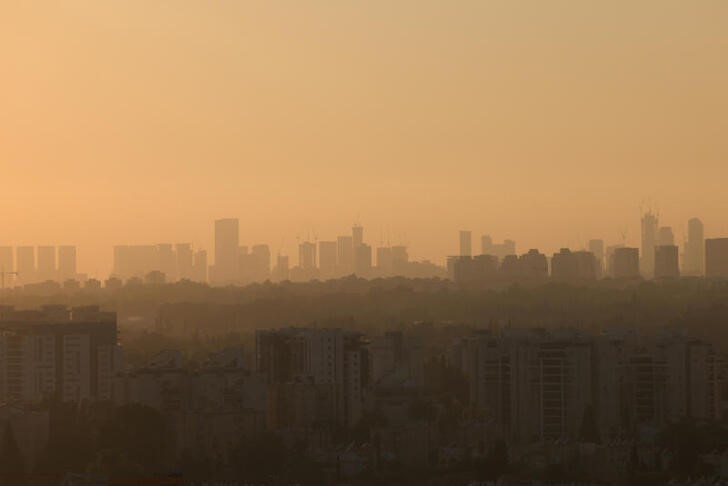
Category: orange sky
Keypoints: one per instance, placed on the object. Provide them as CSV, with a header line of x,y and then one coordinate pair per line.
x,y
141,121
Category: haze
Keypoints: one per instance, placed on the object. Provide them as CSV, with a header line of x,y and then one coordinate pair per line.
x,y
545,122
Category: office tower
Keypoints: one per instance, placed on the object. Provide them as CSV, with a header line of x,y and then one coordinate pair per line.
x,y
466,248
694,256
345,254
362,260
281,270
649,241
67,263
7,262
227,243
357,235
626,263
46,269
167,262
25,261
199,267
384,260
260,263
716,258
665,236
327,258
533,265
185,261
477,271
568,266
666,261
54,353
400,260
597,248
135,260
307,255
486,245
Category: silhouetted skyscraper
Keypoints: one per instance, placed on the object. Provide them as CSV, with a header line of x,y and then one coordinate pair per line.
x,y
345,254
281,272
597,249
716,258
26,264
67,262
7,262
357,235
199,267
666,262
185,261
466,243
307,255
649,241
363,260
694,256
327,258
167,262
47,263
665,236
626,263
227,243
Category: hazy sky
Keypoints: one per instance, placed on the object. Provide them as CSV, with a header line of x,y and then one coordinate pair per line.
x,y
549,122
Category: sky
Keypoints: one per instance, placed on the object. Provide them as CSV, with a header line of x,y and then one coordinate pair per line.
x,y
139,122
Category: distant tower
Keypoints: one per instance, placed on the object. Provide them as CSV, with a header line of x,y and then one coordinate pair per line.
x,y
466,243
649,241
597,248
665,237
227,248
357,235
694,253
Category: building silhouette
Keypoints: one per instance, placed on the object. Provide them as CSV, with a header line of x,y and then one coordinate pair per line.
x,y
67,263
327,258
597,248
626,263
345,255
227,243
649,241
694,252
25,259
716,258
666,262
466,243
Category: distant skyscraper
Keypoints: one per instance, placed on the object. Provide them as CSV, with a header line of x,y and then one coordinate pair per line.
x,y
26,264
486,245
694,256
345,254
384,260
185,261
47,263
597,248
67,263
357,235
666,261
227,243
7,262
363,260
649,241
626,263
400,260
281,270
716,258
327,258
665,236
199,267
167,262
466,243
307,255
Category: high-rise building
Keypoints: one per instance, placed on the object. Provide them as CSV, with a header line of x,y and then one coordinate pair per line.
x,y
665,236
357,235
281,271
7,262
626,263
25,260
466,243
649,241
260,263
167,261
597,249
307,255
67,263
384,260
363,260
185,261
327,258
46,269
694,254
716,258
227,243
568,266
54,353
199,267
666,261
345,254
